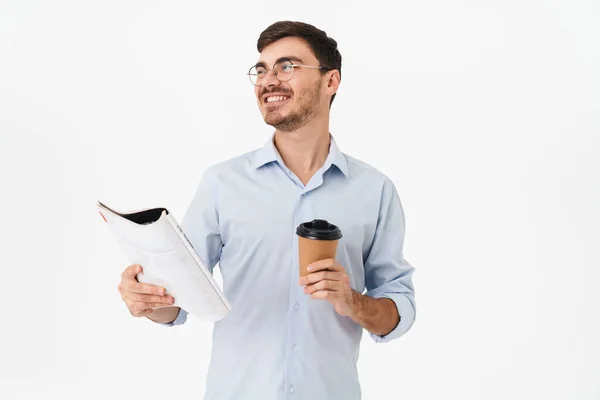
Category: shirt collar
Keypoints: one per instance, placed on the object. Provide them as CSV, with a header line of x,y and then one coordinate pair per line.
x,y
268,153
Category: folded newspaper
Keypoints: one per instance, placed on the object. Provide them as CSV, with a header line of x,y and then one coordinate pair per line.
x,y
153,239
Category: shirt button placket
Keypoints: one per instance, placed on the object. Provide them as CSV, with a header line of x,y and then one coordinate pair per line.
x,y
295,299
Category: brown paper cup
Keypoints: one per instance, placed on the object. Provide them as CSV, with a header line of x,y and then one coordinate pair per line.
x,y
317,240
311,250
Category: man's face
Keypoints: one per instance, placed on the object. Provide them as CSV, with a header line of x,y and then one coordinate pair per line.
x,y
301,96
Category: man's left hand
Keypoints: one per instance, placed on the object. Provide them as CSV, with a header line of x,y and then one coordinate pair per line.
x,y
327,280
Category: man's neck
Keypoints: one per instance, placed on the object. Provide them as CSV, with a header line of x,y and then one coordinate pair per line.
x,y
304,150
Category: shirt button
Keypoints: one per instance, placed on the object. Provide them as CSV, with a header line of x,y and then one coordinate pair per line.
x,y
295,348
297,306
291,389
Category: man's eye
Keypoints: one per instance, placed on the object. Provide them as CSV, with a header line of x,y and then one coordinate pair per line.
x,y
260,72
287,68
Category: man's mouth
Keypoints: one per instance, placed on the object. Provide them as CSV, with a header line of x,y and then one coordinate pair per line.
x,y
276,99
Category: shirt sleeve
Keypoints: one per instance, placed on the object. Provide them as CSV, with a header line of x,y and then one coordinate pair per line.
x,y
200,225
179,320
387,273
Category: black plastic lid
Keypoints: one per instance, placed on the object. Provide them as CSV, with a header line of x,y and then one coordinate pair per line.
x,y
319,229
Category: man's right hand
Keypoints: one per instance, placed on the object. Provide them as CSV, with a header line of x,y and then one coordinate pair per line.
x,y
141,298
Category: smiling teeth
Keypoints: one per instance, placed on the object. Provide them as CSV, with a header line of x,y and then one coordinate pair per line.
x,y
275,98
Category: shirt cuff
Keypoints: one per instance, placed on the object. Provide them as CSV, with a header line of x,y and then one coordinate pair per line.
x,y
179,320
407,316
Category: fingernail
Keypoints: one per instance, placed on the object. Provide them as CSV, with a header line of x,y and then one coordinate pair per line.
x,y
161,291
309,268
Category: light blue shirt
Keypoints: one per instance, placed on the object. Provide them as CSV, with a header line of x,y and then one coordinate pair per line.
x,y
278,343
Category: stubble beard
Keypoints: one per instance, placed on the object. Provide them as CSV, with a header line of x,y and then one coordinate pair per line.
x,y
309,102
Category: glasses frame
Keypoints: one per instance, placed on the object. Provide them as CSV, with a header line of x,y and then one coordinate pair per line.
x,y
294,66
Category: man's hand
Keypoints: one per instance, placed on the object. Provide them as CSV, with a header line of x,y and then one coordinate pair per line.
x,y
141,298
327,280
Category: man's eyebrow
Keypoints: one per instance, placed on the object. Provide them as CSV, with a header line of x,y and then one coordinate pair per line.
x,y
289,58
285,58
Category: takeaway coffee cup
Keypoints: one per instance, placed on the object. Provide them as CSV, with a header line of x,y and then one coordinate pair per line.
x,y
317,240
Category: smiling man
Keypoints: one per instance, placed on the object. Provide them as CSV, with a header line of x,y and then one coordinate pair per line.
x,y
288,337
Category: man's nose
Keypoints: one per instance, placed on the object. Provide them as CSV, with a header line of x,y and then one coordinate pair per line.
x,y
270,79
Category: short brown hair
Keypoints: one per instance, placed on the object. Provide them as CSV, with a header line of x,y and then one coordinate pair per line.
x,y
323,47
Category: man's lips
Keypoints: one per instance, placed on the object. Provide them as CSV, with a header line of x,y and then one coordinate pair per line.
x,y
272,98
275,103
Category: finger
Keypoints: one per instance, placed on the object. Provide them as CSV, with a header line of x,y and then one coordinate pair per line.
x,y
322,285
131,271
314,277
326,264
158,305
324,295
145,288
148,298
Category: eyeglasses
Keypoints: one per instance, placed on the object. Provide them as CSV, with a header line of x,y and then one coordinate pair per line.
x,y
282,70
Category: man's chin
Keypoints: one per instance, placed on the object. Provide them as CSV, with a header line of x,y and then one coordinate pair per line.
x,y
285,123
273,118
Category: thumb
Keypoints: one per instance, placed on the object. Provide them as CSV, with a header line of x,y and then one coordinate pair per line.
x,y
133,270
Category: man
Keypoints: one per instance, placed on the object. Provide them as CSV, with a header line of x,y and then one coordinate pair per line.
x,y
286,337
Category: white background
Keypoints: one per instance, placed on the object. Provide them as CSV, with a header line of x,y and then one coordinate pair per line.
x,y
485,115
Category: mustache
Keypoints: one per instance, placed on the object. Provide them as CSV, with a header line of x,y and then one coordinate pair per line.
x,y
284,91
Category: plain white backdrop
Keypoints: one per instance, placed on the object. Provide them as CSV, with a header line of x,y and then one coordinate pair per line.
x,y
485,114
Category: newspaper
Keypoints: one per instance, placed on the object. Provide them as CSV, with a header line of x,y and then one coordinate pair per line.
x,y
153,239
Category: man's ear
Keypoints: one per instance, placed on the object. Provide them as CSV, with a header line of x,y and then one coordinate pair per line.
x,y
333,82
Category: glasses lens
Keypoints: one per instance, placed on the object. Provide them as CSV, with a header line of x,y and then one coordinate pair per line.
x,y
284,70
256,74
